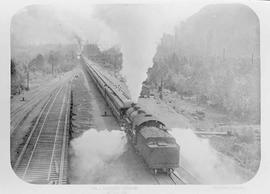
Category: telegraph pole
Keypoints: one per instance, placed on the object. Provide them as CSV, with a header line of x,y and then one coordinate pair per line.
x,y
27,77
52,69
160,89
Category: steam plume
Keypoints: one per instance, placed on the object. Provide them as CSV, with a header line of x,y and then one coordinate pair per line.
x,y
93,151
198,157
139,29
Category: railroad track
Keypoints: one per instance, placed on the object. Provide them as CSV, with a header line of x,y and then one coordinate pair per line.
x,y
177,179
169,179
34,96
16,120
43,157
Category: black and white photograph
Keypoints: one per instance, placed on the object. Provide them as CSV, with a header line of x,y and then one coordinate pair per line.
x,y
135,94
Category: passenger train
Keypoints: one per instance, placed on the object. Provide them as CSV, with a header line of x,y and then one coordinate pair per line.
x,y
148,134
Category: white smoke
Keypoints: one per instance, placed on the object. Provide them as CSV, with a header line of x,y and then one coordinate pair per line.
x,y
54,24
201,160
139,29
92,152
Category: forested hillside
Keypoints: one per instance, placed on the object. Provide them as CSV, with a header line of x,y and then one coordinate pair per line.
x,y
213,56
110,58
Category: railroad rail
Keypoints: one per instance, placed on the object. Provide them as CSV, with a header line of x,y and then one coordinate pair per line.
x,y
169,179
177,179
43,157
34,96
17,121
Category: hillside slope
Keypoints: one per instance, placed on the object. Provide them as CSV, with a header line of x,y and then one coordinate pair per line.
x,y
213,56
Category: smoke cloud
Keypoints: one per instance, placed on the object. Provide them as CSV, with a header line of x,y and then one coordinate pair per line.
x,y
201,160
92,152
52,24
139,29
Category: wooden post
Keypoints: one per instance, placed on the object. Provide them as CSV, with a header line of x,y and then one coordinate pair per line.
x,y
27,87
26,69
52,68
160,89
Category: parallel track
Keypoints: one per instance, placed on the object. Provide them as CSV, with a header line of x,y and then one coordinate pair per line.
x,y
43,158
172,179
32,102
17,122
36,93
177,179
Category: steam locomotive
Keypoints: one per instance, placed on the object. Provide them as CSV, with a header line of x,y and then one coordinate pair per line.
x,y
148,135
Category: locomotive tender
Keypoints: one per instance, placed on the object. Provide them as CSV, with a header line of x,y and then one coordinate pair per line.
x,y
148,135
